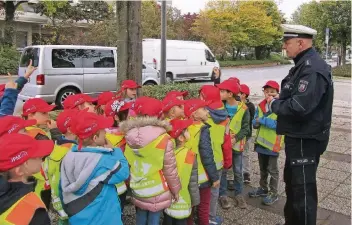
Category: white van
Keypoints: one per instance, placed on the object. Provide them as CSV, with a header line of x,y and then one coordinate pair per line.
x,y
64,70
186,60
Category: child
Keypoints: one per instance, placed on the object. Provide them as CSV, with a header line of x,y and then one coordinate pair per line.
x,y
217,121
14,124
89,173
150,153
179,212
177,94
244,93
267,145
200,142
80,102
37,109
239,129
172,108
20,157
102,99
10,91
128,90
118,109
53,161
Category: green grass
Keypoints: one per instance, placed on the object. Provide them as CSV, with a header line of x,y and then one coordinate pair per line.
x,y
252,62
342,71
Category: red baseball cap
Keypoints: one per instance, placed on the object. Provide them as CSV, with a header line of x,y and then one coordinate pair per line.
x,y
192,105
73,101
115,106
105,97
64,119
229,85
12,124
86,124
211,94
178,126
235,79
129,84
34,105
170,102
2,89
245,89
16,149
147,106
272,84
176,94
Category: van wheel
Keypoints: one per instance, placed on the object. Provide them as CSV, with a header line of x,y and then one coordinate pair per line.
x,y
149,83
169,78
63,95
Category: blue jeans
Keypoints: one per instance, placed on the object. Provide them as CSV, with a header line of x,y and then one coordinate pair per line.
x,y
145,217
237,166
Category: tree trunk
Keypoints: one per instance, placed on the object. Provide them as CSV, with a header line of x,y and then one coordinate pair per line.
x,y
129,43
233,53
343,53
238,52
259,52
10,8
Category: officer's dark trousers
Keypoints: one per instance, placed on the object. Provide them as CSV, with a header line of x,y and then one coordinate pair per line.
x,y
302,159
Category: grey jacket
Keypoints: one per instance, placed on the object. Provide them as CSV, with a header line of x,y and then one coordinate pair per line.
x,y
193,187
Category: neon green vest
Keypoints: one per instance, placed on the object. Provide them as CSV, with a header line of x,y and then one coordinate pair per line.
x,y
52,166
267,137
147,178
183,208
117,140
217,133
236,125
193,144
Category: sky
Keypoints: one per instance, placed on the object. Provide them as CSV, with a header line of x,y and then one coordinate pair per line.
x,y
286,6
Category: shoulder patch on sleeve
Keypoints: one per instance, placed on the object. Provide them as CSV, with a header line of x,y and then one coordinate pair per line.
x,y
308,62
302,85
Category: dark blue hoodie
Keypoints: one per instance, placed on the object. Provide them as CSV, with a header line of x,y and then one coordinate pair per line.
x,y
218,115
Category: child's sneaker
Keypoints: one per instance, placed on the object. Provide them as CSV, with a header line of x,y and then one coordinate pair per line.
x,y
241,202
246,178
218,221
258,192
270,199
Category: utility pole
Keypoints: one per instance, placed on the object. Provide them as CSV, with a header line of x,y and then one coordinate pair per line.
x,y
163,43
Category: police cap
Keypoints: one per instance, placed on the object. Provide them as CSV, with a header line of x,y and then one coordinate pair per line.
x,y
297,31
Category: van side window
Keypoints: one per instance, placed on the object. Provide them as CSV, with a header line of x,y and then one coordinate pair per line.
x,y
67,58
30,53
98,59
209,57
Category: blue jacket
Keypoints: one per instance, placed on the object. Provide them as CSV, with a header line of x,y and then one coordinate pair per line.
x,y
87,185
207,156
8,100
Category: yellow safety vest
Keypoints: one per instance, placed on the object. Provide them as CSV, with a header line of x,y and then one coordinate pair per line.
x,y
147,178
41,177
182,209
22,212
236,125
217,134
117,139
53,163
267,137
193,144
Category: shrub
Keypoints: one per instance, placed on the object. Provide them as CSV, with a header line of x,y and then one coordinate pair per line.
x,y
342,71
159,91
9,58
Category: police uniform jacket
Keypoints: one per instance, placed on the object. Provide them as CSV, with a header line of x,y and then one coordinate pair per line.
x,y
304,108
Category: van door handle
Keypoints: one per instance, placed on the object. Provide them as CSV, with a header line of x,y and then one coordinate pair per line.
x,y
201,63
112,70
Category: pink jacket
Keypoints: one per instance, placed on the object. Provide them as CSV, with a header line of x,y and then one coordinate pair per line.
x,y
139,132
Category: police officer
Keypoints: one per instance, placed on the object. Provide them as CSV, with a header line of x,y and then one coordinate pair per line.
x,y
304,110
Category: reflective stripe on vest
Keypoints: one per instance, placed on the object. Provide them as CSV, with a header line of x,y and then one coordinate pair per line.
x,y
193,144
147,178
22,212
236,125
183,207
33,131
121,188
217,133
117,139
52,163
267,137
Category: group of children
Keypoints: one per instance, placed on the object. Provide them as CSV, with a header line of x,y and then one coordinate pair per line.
x,y
172,156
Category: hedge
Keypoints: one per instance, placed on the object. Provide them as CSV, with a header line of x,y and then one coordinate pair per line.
x,y
342,71
9,58
159,91
252,62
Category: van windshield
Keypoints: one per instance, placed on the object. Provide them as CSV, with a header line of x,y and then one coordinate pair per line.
x,y
30,53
